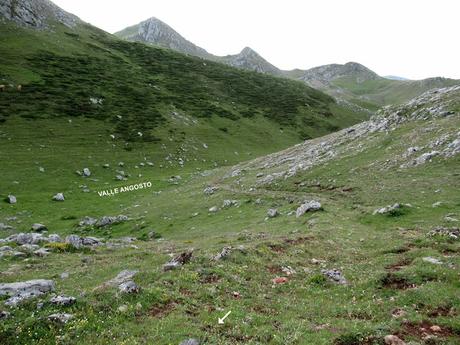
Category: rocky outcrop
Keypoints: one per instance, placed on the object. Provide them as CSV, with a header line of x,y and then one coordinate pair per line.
x,y
39,14
431,106
22,291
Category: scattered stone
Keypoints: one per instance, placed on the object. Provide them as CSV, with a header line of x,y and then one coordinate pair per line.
x,y
110,220
388,209
260,175
22,291
37,227
129,287
437,204
4,315
453,233
28,247
54,238
64,275
91,241
226,251
87,221
123,308
213,209
178,261
229,203
210,190
59,197
74,240
122,277
432,260
27,238
393,340
435,328
5,227
63,300
11,199
42,252
106,166
311,205
450,219
425,157
60,317
86,172
272,213
5,249
288,270
41,169
190,341
335,276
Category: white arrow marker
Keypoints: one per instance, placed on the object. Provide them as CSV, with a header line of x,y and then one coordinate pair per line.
x,y
221,321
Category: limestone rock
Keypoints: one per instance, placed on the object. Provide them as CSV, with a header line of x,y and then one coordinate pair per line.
x,y
59,197
60,317
312,205
11,199
335,276
63,300
37,227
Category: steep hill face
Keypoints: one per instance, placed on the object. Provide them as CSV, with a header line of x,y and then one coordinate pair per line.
x,y
39,14
154,31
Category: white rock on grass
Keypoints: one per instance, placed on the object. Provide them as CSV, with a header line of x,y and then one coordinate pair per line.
x,y
432,260
11,199
59,197
63,300
190,341
37,227
307,206
272,213
213,209
335,276
60,317
128,287
86,172
21,291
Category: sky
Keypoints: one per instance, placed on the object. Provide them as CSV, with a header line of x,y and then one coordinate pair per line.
x,y
415,39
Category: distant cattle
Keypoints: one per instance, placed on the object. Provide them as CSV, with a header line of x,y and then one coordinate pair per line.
x,y
2,88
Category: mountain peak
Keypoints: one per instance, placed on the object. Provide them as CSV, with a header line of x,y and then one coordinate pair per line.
x,y
156,32
37,14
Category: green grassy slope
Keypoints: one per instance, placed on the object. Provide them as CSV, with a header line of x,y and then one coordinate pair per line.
x,y
380,255
380,92
61,71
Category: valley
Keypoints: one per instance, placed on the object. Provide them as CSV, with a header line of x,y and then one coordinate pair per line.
x,y
148,193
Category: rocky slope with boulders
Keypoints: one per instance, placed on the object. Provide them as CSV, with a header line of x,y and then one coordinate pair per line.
x,y
424,110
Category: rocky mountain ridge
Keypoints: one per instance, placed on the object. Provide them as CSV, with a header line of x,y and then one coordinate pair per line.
x,y
38,14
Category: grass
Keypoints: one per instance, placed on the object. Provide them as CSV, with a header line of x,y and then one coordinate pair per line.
x,y
380,256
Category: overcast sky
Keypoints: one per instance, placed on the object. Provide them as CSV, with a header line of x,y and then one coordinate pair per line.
x,y
409,38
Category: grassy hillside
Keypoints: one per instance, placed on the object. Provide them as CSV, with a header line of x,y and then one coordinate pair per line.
x,y
391,288
381,91
90,74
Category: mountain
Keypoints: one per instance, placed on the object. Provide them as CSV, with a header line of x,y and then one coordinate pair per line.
x,y
38,14
155,32
357,84
250,60
142,95
351,83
